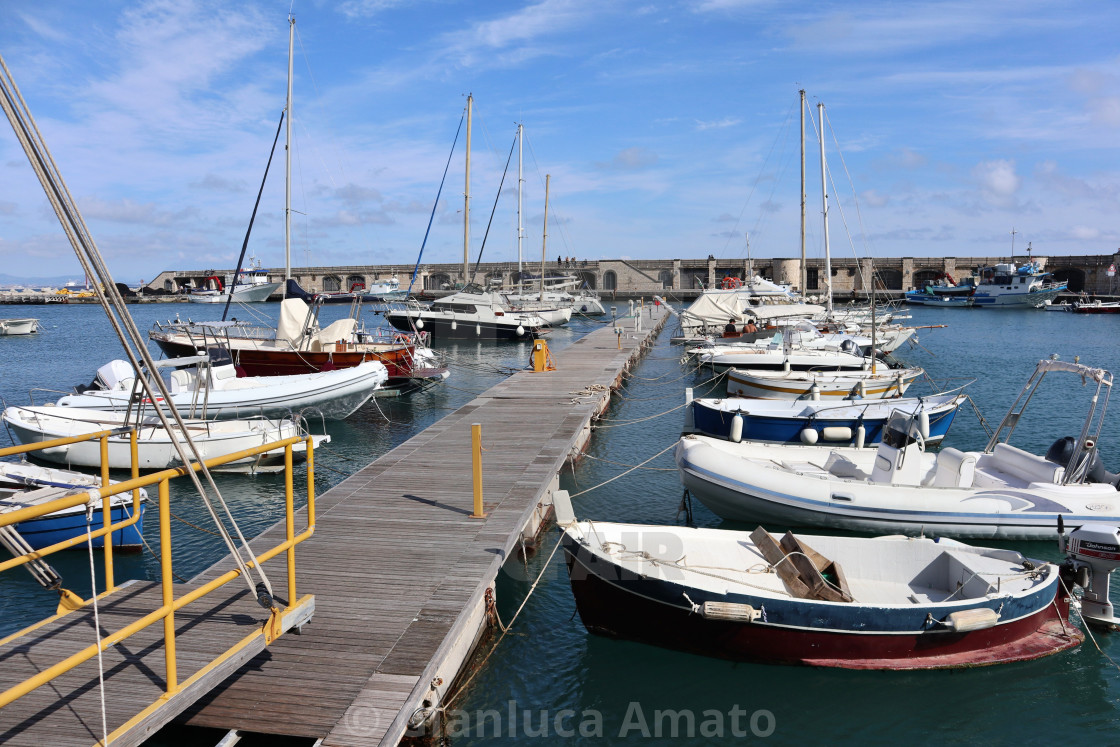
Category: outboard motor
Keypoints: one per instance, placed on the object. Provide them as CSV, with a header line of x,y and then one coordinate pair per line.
x,y
850,346
1092,554
1061,451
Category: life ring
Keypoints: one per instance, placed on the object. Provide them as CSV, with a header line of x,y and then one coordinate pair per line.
x,y
731,282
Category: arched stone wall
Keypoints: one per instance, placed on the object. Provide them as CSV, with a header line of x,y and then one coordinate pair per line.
x,y
610,280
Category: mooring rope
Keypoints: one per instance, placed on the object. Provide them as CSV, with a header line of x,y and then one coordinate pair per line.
x,y
97,619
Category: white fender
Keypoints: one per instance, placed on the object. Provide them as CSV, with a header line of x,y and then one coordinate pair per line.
x,y
737,428
520,330
419,324
923,423
836,433
809,436
861,437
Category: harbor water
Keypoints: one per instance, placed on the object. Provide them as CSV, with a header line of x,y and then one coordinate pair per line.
x,y
548,679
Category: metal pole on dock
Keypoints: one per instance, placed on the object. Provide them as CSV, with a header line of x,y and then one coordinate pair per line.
x,y
476,463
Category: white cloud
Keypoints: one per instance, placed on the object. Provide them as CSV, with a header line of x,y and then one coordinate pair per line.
x,y
718,124
997,180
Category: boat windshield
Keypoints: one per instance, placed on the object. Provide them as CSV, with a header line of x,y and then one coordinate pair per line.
x,y
898,432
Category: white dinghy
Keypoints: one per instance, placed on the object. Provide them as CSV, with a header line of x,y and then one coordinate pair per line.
x,y
1002,492
155,445
207,386
831,385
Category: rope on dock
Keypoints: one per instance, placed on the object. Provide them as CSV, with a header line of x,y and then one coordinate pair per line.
x,y
619,424
97,618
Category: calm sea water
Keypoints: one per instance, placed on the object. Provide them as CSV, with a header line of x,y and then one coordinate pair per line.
x,y
548,677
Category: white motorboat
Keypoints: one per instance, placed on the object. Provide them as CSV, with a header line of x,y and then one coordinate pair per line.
x,y
207,386
252,286
870,383
18,326
470,314
1002,492
155,447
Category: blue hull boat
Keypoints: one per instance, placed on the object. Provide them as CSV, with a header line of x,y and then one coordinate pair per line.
x,y
23,484
796,422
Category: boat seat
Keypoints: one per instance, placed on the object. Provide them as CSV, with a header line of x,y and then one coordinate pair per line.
x,y
841,466
181,381
955,469
1022,465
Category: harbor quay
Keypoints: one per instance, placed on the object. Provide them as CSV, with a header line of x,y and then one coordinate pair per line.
x,y
680,278
676,279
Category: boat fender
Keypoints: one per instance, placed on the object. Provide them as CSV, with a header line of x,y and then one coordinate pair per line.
x,y
689,415
963,621
730,611
836,433
454,324
478,330
419,324
861,437
785,365
923,423
520,330
815,392
737,428
809,436
861,390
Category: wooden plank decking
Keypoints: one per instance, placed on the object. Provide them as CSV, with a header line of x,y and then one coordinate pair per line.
x,y
67,710
399,569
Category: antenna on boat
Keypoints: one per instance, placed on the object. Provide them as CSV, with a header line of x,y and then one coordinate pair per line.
x,y
1013,232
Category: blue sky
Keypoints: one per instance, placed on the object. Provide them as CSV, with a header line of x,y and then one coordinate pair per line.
x,y
670,129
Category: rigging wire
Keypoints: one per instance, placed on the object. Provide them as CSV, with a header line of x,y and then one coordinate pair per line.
x,y
428,230
477,262
73,225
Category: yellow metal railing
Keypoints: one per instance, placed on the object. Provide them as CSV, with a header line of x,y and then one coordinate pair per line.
x,y
271,629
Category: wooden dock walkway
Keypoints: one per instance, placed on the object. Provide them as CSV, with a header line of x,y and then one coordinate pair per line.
x,y
399,570
67,711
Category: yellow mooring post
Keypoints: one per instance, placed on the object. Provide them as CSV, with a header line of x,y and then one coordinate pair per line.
x,y
542,360
476,462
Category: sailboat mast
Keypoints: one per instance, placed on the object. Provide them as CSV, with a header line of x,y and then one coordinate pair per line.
x,y
467,201
804,269
520,181
544,238
288,161
824,201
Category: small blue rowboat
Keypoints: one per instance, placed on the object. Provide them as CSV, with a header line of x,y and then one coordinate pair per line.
x,y
810,422
23,484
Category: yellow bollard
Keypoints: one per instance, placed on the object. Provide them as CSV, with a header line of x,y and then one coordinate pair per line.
x,y
476,462
542,359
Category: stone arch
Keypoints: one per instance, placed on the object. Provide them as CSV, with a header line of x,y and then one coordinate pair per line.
x,y
1073,277
610,280
889,279
437,281
494,279
925,277
666,277
586,279
332,283
355,282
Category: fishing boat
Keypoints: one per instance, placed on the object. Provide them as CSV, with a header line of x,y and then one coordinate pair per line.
x,y
879,382
1005,285
1003,492
847,602
252,286
853,423
1096,307
156,450
18,326
297,345
926,298
207,386
23,484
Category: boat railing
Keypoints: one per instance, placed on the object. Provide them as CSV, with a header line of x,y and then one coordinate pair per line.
x,y
294,611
